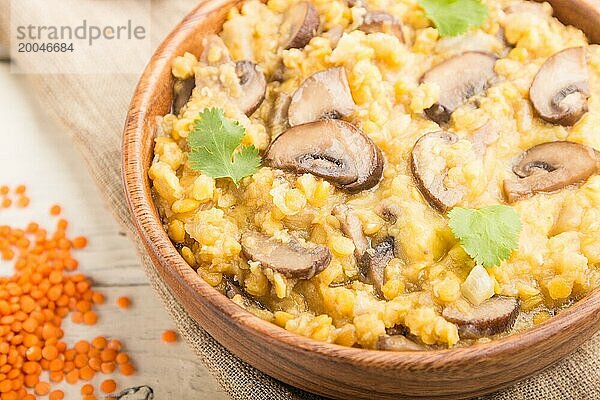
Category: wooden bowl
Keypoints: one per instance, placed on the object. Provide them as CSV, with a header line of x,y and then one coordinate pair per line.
x,y
322,368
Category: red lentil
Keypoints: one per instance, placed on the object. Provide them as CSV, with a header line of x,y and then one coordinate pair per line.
x,y
169,336
123,302
33,303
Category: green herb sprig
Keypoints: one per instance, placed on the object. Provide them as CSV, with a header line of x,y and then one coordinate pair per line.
x,y
215,147
455,17
489,235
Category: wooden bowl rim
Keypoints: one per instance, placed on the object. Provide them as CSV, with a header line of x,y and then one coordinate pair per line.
x,y
166,253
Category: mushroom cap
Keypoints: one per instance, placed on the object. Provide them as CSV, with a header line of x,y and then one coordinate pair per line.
x,y
277,122
561,89
491,317
430,172
397,343
323,95
352,228
182,91
373,262
215,51
459,78
331,149
551,166
384,22
292,259
300,24
254,85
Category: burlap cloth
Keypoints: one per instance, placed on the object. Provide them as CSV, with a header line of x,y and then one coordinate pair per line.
x,y
92,110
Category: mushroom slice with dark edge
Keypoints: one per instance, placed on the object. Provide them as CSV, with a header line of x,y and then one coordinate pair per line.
x,y
388,211
334,35
292,259
561,89
323,95
381,21
277,122
300,24
331,149
254,86
232,289
352,228
182,91
373,262
397,343
534,9
428,172
459,78
549,167
215,51
491,317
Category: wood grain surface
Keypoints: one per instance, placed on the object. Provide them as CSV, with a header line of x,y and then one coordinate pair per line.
x,y
323,368
57,176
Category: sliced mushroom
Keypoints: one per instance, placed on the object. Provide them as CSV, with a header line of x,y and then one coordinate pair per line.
x,y
334,35
484,136
215,51
324,95
388,210
232,289
397,343
398,330
530,8
561,89
331,149
373,262
493,316
182,91
300,25
292,259
430,171
278,118
251,79
472,41
459,78
352,228
384,22
549,167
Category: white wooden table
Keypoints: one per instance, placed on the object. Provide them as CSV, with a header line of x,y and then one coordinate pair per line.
x,y
33,151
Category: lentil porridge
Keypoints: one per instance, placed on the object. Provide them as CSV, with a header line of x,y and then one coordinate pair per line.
x,y
376,134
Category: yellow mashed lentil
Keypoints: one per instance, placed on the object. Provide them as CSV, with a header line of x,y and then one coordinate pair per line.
x,y
558,258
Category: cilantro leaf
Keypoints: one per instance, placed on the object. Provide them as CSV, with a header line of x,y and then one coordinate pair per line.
x,y
455,17
213,143
489,235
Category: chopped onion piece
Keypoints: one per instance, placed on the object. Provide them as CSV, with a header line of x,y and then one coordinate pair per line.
x,y
479,286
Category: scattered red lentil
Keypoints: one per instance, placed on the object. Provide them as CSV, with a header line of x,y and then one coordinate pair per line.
x,y
169,336
33,303
108,386
123,302
56,395
23,201
79,242
87,389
